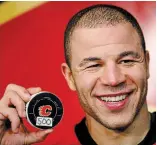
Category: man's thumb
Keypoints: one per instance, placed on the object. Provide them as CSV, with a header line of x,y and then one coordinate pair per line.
x,y
35,137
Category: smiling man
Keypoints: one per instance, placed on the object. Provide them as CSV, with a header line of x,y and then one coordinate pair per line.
x,y
108,65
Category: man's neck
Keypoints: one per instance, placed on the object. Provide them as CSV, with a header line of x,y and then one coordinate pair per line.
x,y
133,135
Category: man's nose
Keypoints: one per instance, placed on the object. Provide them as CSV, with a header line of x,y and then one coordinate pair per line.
x,y
112,75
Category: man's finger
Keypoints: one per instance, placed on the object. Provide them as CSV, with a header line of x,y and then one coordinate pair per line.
x,y
35,137
12,115
34,90
12,98
21,91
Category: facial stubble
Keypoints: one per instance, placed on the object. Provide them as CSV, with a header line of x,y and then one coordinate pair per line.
x,y
89,109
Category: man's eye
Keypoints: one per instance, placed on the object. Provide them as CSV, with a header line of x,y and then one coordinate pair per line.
x,y
93,66
127,62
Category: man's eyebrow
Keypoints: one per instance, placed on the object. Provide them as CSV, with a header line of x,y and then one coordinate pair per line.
x,y
123,54
89,59
129,53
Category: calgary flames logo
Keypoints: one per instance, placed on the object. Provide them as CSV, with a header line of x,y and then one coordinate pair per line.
x,y
45,110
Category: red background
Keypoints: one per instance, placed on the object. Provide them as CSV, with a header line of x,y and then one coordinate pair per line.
x,y
31,53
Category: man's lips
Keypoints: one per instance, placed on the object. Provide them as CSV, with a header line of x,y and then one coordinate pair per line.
x,y
114,101
114,95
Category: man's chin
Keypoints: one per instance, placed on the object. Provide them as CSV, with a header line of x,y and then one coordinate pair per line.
x,y
118,126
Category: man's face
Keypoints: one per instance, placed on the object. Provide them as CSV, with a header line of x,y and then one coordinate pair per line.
x,y
109,72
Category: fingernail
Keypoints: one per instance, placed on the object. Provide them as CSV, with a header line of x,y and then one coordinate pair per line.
x,y
38,88
48,131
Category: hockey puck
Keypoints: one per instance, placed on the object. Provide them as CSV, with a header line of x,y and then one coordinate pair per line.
x,y
44,110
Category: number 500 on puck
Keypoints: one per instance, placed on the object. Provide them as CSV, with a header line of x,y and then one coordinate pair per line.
x,y
44,110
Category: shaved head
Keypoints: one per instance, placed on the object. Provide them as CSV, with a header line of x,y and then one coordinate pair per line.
x,y
98,16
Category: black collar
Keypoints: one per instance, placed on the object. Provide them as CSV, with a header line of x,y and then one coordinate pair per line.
x,y
85,138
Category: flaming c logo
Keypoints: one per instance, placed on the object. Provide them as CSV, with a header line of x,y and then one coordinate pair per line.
x,y
45,110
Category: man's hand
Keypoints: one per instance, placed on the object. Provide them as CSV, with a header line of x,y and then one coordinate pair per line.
x,y
12,108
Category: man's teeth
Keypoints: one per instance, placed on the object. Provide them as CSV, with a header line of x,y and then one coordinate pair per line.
x,y
114,99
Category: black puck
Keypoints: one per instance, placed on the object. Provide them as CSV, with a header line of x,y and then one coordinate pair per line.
x,y
44,110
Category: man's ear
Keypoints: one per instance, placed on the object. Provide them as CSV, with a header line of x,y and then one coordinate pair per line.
x,y
66,71
147,63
